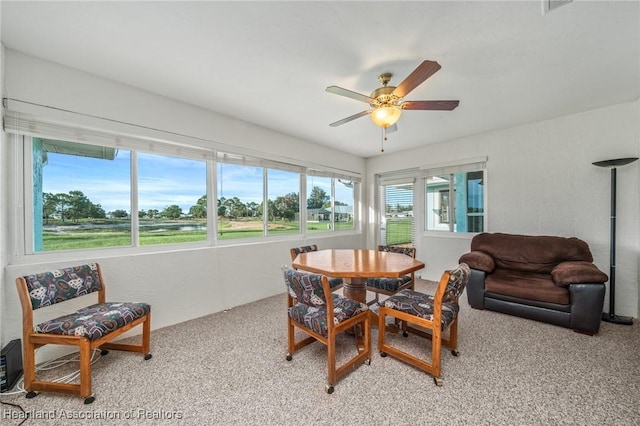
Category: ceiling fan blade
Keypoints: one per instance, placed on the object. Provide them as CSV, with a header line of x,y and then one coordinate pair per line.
x,y
425,70
430,105
349,94
350,118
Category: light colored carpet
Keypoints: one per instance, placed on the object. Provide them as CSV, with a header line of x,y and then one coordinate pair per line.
x,y
229,368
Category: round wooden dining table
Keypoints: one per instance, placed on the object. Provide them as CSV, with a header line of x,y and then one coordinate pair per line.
x,y
354,266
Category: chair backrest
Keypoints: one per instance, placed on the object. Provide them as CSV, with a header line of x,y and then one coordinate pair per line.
x,y
409,251
305,287
458,279
58,285
304,249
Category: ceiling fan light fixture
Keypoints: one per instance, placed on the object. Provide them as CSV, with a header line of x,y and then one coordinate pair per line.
x,y
386,116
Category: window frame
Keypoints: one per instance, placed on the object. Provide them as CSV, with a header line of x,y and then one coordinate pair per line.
x,y
23,247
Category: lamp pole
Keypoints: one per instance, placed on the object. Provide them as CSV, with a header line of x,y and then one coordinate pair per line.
x,y
611,315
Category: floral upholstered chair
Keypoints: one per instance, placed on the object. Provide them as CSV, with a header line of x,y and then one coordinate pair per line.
x,y
322,315
88,328
335,283
390,286
437,314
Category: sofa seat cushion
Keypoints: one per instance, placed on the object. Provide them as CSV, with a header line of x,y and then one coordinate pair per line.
x,y
526,285
95,321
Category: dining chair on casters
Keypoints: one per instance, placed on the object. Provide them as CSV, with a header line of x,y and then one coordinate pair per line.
x,y
335,283
436,314
390,286
322,315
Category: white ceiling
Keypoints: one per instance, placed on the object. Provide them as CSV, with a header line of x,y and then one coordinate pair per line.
x,y
269,63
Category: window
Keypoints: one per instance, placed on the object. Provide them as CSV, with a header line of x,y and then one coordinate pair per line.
x,y
398,221
455,199
81,196
240,201
330,204
91,189
172,199
283,192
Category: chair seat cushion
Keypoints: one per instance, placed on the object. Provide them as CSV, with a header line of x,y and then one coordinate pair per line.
x,y
315,317
388,284
421,305
95,321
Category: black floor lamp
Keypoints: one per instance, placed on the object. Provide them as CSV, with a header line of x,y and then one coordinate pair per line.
x,y
611,315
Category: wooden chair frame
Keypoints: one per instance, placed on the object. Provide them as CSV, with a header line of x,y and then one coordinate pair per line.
x,y
379,291
334,372
32,341
434,333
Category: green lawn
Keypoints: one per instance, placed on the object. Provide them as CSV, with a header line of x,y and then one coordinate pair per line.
x,y
120,236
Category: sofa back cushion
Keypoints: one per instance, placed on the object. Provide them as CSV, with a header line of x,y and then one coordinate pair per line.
x,y
531,253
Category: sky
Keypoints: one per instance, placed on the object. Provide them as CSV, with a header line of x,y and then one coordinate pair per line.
x,y
165,180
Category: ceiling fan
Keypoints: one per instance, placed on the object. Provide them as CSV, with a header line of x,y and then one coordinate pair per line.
x,y
386,101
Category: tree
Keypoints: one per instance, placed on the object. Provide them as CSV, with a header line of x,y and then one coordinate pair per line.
x,y
79,205
172,212
49,205
222,209
286,206
317,198
120,214
96,211
200,209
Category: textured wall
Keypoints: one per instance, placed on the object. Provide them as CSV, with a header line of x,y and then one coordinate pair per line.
x,y
541,181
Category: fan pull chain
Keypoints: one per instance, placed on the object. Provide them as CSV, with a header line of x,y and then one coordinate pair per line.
x,y
384,138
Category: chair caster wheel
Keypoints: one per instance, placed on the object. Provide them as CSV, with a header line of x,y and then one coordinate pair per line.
x,y
454,352
383,354
289,357
31,394
438,381
329,389
103,352
89,399
405,334
367,361
147,357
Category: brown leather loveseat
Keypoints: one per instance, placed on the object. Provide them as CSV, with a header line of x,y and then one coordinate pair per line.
x,y
544,278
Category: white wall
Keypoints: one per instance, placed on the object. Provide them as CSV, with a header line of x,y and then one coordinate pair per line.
x,y
180,285
541,180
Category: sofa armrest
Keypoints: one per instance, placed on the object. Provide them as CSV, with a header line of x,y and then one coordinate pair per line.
x,y
576,272
475,289
478,260
586,307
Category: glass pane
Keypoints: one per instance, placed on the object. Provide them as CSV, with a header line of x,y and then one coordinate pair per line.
x,y
284,202
318,204
438,215
240,199
170,199
467,202
81,196
475,202
398,222
344,202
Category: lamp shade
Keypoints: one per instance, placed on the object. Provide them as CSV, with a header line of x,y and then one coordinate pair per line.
x,y
386,116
